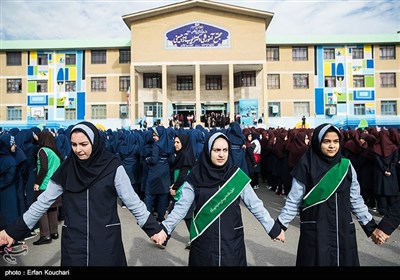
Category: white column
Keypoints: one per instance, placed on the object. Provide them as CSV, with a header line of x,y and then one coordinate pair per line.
x,y
165,116
132,98
197,85
265,93
231,94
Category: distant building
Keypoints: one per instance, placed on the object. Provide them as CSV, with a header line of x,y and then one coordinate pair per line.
x,y
199,57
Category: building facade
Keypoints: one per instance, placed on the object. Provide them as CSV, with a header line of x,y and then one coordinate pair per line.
x,y
198,57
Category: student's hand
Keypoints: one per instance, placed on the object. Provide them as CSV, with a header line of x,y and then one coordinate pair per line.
x,y
5,239
160,237
379,237
36,187
172,192
281,236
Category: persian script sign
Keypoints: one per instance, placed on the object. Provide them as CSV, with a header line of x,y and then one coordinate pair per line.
x,y
197,35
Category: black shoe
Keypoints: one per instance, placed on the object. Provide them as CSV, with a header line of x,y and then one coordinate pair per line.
x,y
54,236
43,240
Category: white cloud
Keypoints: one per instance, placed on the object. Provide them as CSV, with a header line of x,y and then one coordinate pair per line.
x,y
87,19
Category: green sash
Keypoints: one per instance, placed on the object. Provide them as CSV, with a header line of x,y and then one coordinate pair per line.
x,y
217,204
178,192
327,185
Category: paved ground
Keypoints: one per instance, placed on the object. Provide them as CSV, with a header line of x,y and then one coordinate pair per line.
x,y
261,251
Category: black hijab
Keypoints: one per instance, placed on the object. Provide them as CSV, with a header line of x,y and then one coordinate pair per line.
x,y
207,175
46,139
77,175
313,165
185,156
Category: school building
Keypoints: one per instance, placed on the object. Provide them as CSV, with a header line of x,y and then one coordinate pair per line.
x,y
197,57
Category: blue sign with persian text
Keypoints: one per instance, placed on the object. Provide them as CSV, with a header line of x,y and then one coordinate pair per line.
x,y
197,35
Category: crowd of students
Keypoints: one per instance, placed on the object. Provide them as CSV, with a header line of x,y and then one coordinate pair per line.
x,y
146,170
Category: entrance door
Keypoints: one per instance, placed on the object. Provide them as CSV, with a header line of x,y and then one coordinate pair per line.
x,y
185,113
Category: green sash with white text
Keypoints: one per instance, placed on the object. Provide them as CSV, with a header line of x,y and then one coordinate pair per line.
x,y
217,204
323,190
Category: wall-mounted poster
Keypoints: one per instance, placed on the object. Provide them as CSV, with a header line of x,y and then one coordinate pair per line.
x,y
248,109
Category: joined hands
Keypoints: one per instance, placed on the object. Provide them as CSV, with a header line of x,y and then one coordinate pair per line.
x,y
379,237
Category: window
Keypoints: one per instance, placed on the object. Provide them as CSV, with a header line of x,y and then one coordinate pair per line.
x,y
152,80
388,80
14,113
213,82
249,79
272,53
14,58
14,85
123,111
70,86
330,81
42,59
98,84
184,82
358,81
389,107
329,53
41,86
124,56
274,109
153,108
330,109
301,109
273,81
300,80
70,59
99,111
387,52
70,114
299,54
359,109
124,83
357,53
99,57
245,79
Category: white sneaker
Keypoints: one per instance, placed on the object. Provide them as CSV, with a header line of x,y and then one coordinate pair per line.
x,y
30,235
256,187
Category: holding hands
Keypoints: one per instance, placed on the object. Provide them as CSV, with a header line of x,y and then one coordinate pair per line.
x,y
281,236
159,238
379,237
5,239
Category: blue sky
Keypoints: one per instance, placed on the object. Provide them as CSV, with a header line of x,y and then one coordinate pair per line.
x,y
88,19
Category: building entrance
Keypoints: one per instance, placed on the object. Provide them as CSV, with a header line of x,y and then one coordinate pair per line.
x,y
184,114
